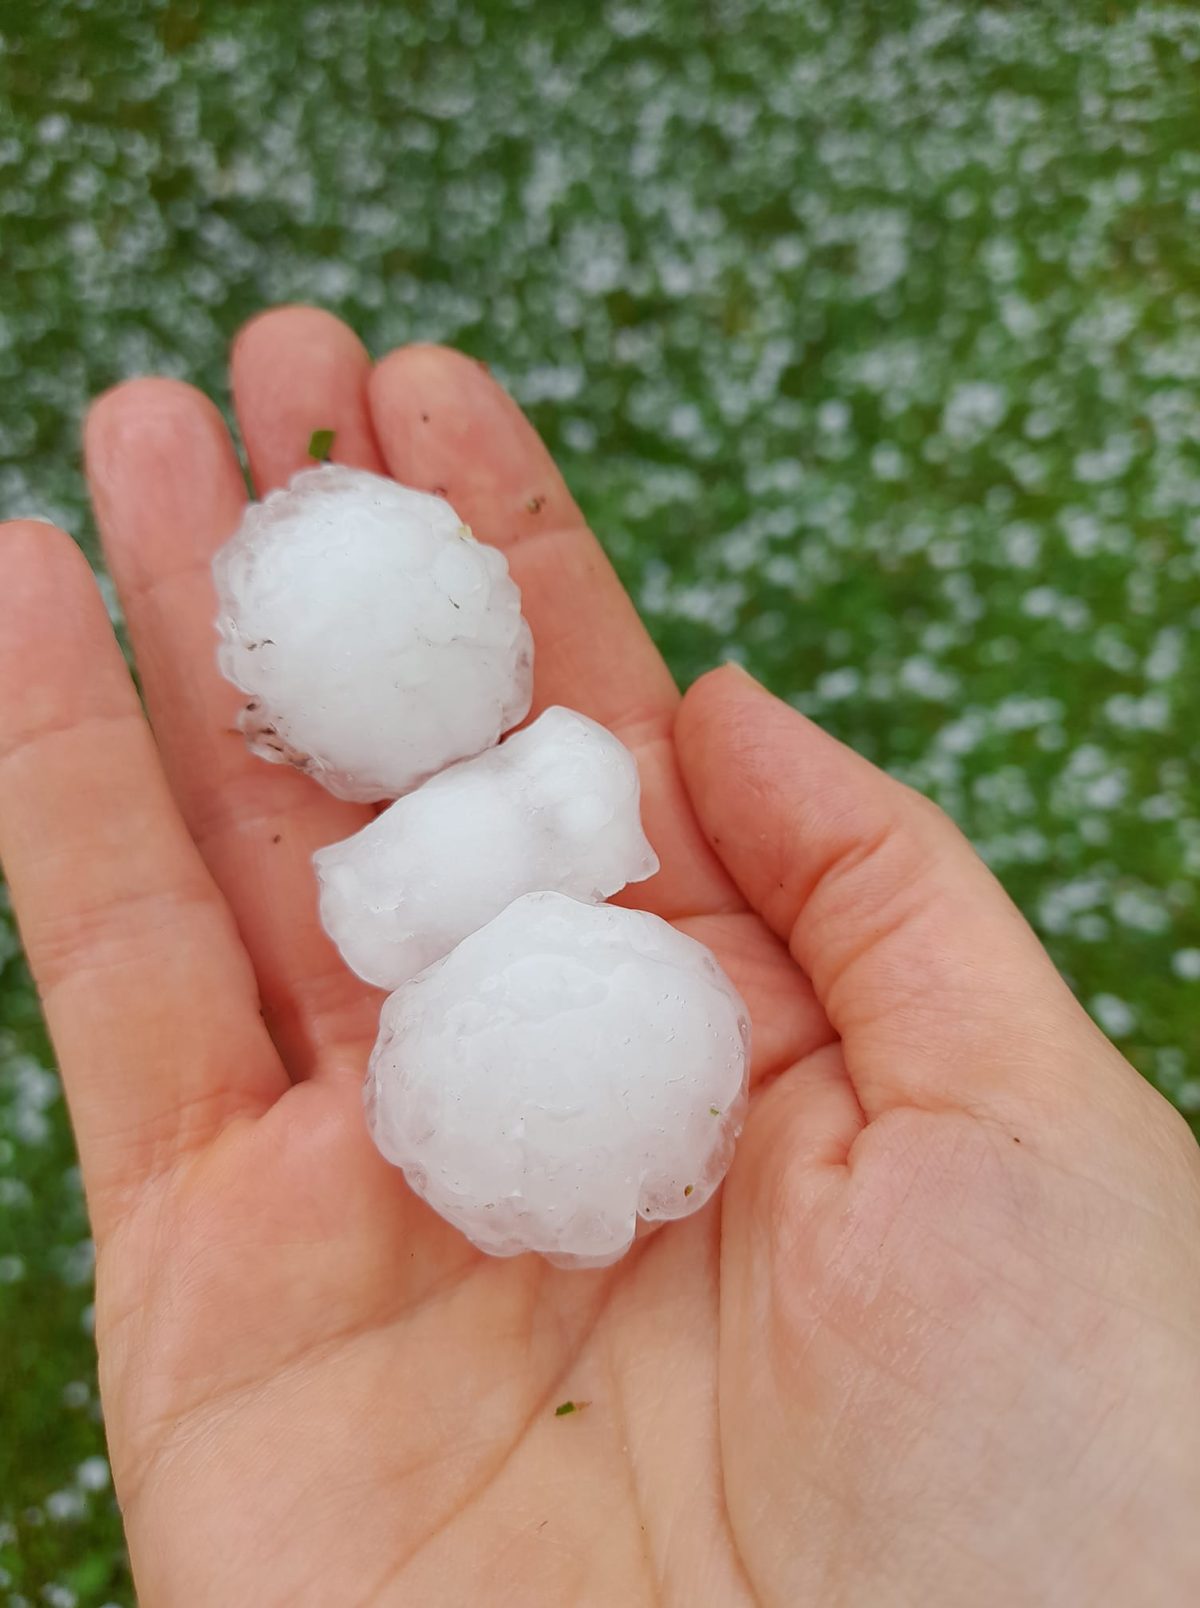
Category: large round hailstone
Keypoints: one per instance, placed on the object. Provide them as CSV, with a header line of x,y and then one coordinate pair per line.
x,y
377,639
555,806
567,1069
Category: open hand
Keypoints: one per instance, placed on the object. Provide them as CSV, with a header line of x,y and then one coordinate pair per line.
x,y
937,1342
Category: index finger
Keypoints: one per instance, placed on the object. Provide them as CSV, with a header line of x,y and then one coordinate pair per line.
x,y
445,426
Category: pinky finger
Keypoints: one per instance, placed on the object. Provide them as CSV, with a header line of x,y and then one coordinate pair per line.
x,y
149,996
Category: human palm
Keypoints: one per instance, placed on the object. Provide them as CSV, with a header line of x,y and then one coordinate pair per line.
x,y
936,1341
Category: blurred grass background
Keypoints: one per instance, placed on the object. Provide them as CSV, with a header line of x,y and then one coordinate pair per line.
x,y
868,336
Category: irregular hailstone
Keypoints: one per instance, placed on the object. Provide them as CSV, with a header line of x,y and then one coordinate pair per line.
x,y
567,1069
554,806
377,639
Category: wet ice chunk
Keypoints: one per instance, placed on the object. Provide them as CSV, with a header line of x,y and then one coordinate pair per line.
x,y
377,641
553,807
566,1069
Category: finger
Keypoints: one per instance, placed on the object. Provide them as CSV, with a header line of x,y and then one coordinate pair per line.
x,y
938,988
149,995
297,370
788,1023
168,491
444,425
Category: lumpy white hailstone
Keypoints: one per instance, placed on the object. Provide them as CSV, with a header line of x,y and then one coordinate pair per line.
x,y
555,806
376,639
564,1071
549,1069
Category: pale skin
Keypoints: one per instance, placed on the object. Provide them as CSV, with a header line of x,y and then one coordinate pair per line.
x,y
938,1340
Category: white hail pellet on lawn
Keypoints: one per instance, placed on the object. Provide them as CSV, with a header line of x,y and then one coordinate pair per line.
x,y
568,1068
377,639
553,807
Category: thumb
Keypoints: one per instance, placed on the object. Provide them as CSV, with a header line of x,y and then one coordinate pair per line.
x,y
940,992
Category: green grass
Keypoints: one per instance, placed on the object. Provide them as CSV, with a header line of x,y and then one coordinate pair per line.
x,y
869,337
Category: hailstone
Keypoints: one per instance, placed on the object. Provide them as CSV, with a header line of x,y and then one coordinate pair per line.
x,y
565,1070
555,806
376,639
